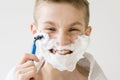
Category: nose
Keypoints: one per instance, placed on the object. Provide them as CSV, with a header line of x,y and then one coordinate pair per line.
x,y
63,39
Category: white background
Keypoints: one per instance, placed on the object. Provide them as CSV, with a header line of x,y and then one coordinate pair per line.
x,y
16,39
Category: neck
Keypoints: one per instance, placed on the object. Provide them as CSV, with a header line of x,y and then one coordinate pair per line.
x,y
54,74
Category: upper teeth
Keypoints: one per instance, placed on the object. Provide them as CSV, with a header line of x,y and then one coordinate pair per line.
x,y
63,51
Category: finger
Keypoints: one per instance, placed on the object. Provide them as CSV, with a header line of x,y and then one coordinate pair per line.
x,y
27,57
26,70
27,75
24,65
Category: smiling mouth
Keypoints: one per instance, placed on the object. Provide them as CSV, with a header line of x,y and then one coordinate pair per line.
x,y
61,52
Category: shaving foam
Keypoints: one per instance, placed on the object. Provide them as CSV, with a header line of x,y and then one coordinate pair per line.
x,y
64,62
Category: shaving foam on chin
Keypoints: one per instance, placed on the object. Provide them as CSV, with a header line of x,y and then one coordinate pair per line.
x,y
68,61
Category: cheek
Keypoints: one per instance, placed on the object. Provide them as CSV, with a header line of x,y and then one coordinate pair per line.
x,y
51,35
74,37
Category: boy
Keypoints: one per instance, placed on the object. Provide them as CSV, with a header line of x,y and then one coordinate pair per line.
x,y
62,56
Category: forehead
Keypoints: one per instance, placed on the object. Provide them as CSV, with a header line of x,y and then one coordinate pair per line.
x,y
59,13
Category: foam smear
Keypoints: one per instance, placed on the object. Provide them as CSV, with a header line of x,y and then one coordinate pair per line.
x,y
68,61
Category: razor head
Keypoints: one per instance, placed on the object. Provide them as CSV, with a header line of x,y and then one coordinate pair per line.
x,y
38,37
43,37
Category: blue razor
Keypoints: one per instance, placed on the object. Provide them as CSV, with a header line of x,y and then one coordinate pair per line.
x,y
39,37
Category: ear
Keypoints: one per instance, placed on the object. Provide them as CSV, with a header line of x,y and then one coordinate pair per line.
x,y
33,28
88,31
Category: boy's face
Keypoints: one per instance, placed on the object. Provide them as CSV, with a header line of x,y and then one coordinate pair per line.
x,y
62,22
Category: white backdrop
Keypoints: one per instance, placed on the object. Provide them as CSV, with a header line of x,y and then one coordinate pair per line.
x,y
16,39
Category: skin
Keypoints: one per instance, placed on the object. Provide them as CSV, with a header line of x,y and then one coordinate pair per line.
x,y
55,19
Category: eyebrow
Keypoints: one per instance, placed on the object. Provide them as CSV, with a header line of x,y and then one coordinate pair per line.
x,y
73,24
76,23
49,22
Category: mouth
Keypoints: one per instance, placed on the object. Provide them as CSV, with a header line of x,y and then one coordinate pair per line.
x,y
61,52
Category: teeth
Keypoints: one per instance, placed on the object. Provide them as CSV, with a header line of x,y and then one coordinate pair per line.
x,y
63,52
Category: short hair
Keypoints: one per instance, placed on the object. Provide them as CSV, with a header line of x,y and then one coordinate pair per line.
x,y
79,4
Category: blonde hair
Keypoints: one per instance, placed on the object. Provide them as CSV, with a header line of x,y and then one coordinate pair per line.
x,y
79,4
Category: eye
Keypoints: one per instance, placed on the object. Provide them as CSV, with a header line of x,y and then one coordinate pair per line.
x,y
73,29
50,29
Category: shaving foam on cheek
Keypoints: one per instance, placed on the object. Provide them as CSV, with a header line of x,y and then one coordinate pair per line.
x,y
68,61
40,43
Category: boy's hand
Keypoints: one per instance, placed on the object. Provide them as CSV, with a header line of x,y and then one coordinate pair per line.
x,y
26,69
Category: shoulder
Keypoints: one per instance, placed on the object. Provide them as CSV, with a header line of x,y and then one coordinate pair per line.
x,y
90,64
86,61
